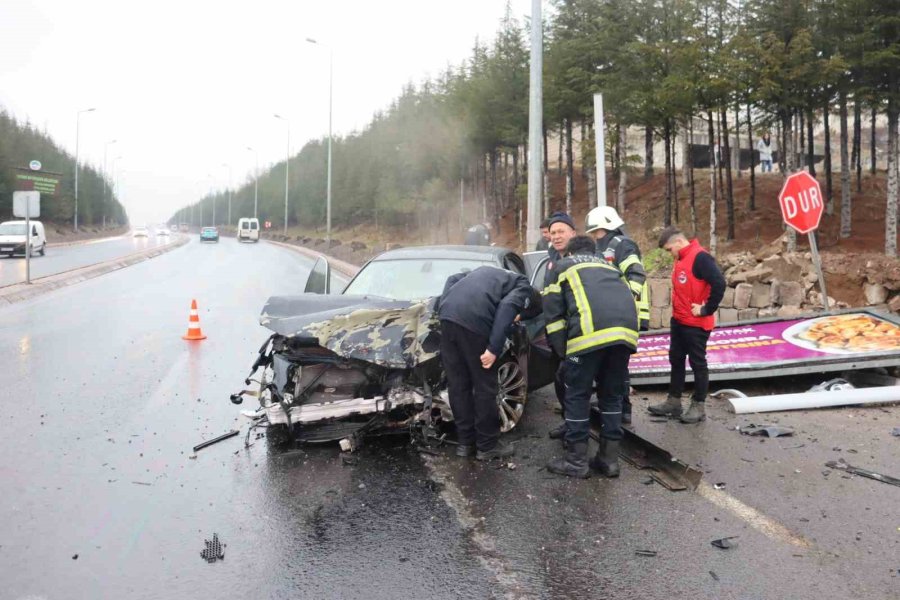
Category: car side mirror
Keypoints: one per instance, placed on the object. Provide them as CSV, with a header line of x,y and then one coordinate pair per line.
x,y
319,281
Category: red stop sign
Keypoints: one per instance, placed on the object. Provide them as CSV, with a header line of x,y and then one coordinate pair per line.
x,y
801,202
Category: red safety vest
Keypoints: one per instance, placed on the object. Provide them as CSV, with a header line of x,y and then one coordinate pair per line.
x,y
687,289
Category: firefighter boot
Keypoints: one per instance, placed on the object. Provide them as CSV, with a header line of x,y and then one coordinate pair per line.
x,y
558,433
606,461
574,464
696,412
670,408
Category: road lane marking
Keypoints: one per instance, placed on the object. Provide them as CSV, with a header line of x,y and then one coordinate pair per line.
x,y
751,516
489,557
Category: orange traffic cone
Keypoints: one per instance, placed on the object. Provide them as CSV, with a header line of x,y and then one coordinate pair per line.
x,y
193,332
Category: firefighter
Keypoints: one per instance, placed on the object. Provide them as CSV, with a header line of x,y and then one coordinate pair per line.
x,y
697,289
476,311
620,251
591,322
562,229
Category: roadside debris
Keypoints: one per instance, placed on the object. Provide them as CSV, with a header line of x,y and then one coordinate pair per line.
x,y
713,575
842,465
650,553
833,385
767,430
807,400
214,550
719,486
725,543
895,432
216,440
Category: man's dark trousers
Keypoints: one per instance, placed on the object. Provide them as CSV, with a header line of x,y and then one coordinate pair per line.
x,y
688,342
473,389
581,373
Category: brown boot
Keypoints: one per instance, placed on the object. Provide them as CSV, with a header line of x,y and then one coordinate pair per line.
x,y
696,412
670,408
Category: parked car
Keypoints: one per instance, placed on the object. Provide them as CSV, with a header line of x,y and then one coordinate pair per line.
x,y
248,230
140,231
13,238
365,361
209,234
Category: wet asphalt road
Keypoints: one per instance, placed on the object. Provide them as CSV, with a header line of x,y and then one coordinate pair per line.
x,y
103,402
65,258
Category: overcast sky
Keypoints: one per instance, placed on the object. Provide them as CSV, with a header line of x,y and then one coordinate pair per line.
x,y
185,86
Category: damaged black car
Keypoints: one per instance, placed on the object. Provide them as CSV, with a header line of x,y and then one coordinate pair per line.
x,y
366,361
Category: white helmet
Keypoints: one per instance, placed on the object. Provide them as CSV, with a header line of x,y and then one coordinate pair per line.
x,y
602,217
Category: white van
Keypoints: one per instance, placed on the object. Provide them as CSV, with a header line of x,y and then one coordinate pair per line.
x,y
12,238
248,230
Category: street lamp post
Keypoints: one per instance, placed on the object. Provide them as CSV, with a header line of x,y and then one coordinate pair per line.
x,y
330,104
227,166
255,184
77,135
287,162
105,173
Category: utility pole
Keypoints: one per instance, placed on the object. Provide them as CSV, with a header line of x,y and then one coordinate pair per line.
x,y
535,126
600,141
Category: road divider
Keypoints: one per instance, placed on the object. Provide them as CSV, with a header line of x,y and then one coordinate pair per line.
x,y
19,292
337,264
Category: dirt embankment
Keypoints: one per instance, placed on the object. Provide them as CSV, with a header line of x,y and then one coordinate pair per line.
x,y
62,233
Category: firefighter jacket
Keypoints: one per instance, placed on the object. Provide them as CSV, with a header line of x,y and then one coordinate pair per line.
x,y
589,307
622,252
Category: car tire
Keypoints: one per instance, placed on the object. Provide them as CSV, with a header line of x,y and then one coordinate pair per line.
x,y
512,393
43,250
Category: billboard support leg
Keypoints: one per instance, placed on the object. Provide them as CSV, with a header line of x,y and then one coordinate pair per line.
x,y
818,262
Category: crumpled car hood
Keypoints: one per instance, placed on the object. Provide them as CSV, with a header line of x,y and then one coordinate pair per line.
x,y
392,333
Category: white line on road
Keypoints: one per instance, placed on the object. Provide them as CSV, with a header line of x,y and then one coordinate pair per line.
x,y
753,517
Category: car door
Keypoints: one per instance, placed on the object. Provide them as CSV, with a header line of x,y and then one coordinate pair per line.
x,y
319,280
542,363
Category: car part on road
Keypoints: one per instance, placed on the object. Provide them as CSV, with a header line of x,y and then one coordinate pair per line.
x,y
841,465
216,440
767,430
214,550
780,402
664,468
725,543
895,432
650,553
726,394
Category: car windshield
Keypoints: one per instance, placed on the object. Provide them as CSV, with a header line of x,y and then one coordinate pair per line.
x,y
12,229
209,230
408,279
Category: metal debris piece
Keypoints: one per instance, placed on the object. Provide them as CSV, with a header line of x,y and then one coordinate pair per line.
x,y
645,552
895,432
767,430
843,466
719,486
214,550
141,483
349,460
713,575
216,440
725,543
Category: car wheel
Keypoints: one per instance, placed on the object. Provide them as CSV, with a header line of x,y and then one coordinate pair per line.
x,y
511,394
43,249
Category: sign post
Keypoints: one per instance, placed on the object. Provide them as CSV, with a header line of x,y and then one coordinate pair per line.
x,y
802,207
27,204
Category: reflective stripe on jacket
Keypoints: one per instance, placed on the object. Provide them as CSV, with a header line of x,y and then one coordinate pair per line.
x,y
589,307
622,252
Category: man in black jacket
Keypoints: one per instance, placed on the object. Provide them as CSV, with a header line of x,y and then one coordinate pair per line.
x,y
476,311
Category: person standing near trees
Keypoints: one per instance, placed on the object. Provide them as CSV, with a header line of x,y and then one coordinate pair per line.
x,y
544,242
764,146
697,288
622,252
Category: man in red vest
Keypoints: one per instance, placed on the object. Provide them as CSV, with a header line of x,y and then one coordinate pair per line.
x,y
697,288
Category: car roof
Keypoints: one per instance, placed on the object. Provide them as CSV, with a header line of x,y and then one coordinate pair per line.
x,y
482,253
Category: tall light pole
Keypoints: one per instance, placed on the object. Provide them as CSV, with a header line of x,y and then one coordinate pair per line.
x,y
287,162
77,135
227,166
330,104
213,179
255,184
535,126
105,172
